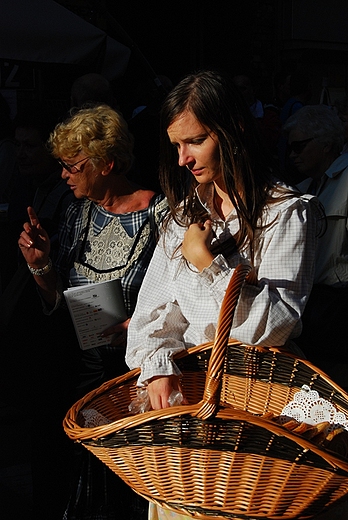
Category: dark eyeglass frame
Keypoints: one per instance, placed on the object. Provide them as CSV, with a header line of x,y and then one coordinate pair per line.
x,y
70,167
298,146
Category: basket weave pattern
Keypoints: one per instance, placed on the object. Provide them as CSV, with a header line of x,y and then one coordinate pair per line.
x,y
218,457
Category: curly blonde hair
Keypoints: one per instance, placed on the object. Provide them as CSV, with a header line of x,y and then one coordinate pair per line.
x,y
100,132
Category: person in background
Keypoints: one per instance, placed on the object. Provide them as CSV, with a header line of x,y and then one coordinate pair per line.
x,y
315,140
37,182
245,85
37,167
8,172
7,151
267,119
92,88
281,88
107,233
226,208
144,125
35,381
341,108
300,94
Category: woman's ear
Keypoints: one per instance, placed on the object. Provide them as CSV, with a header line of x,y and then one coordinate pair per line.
x,y
108,168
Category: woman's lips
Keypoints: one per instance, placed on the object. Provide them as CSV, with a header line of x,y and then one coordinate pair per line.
x,y
196,171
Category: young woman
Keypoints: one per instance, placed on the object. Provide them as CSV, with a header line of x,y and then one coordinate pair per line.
x,y
226,208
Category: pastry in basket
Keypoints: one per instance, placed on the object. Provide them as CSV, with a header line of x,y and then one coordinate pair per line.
x,y
333,433
312,431
288,422
337,441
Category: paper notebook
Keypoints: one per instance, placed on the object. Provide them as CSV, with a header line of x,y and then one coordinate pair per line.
x,y
95,307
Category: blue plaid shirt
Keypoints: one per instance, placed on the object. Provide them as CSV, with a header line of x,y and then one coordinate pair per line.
x,y
74,246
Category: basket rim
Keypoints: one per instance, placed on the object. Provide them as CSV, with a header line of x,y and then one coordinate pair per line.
x,y
80,434
70,424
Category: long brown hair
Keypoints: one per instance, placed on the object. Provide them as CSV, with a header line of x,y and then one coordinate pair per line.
x,y
248,169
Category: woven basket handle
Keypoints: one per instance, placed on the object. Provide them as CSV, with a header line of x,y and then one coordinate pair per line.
x,y
211,396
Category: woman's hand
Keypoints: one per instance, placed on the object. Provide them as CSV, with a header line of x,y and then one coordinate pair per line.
x,y
160,388
119,332
195,246
34,242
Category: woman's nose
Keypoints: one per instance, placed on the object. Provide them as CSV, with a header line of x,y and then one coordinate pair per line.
x,y
64,174
185,157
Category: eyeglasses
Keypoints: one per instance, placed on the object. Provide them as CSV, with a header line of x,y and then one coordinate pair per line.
x,y
71,168
298,146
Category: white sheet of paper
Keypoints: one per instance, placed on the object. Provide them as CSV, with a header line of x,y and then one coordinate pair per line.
x,y
95,307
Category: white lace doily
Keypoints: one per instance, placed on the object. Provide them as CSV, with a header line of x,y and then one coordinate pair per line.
x,y
308,407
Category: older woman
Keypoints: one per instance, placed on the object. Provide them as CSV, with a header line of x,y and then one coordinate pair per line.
x,y
108,232
315,141
94,149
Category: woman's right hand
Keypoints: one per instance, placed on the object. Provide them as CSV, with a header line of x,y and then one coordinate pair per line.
x,y
195,246
160,389
34,242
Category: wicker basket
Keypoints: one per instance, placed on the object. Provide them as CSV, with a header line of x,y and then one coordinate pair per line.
x,y
217,457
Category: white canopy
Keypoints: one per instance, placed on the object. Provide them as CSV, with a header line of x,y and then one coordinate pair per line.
x,y
42,31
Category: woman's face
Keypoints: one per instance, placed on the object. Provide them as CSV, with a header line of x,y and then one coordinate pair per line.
x,y
197,148
310,157
33,157
85,182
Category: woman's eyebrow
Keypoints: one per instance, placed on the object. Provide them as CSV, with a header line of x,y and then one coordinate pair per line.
x,y
194,137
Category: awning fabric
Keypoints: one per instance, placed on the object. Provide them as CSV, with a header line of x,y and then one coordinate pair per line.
x,y
42,31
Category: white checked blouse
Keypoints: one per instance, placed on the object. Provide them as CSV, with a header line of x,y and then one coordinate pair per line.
x,y
178,306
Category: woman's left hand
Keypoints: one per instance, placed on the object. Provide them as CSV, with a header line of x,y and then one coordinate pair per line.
x,y
195,246
119,332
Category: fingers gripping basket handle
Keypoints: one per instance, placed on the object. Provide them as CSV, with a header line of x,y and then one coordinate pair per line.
x,y
211,396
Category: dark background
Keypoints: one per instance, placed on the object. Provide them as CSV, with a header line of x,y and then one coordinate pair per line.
x,y
262,37
180,37
173,38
